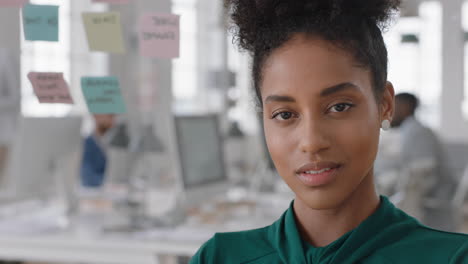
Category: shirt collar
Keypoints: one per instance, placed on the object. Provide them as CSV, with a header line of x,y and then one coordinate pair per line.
x,y
362,241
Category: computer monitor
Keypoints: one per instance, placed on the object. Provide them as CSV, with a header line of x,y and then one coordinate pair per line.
x,y
44,157
202,161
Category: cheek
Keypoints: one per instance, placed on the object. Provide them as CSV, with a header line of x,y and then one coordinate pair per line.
x,y
360,143
272,139
279,145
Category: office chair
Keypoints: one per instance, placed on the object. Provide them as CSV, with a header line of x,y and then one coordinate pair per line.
x,y
459,197
461,190
413,184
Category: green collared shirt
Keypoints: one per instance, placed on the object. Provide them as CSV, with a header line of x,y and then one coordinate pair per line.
x,y
387,236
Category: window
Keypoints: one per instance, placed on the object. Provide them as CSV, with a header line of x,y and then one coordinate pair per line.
x,y
184,68
415,64
70,55
46,57
465,28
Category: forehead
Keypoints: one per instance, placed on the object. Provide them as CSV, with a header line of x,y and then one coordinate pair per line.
x,y
312,63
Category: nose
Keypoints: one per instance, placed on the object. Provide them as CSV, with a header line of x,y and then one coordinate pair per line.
x,y
313,136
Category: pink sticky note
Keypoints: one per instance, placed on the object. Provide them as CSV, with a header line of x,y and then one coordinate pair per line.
x,y
159,35
13,3
50,87
111,1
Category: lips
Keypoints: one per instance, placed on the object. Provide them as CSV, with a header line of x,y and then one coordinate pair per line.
x,y
317,166
317,174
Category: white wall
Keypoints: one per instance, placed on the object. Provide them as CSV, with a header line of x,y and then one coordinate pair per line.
x,y
454,127
10,104
10,40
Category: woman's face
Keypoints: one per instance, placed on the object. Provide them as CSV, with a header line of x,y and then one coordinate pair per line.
x,y
321,120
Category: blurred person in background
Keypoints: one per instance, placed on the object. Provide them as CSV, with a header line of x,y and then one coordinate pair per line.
x,y
9,104
94,160
10,109
419,143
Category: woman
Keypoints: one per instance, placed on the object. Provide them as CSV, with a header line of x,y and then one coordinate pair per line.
x,y
319,71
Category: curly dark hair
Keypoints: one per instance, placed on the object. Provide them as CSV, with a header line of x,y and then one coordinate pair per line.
x,y
261,26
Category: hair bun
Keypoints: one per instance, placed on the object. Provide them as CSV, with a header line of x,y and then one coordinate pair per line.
x,y
379,11
251,17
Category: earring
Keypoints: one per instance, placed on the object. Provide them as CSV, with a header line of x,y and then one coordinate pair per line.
x,y
385,124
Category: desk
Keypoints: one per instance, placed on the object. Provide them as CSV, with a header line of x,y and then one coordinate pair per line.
x,y
65,246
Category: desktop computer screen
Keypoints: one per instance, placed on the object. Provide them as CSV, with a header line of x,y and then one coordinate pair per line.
x,y
200,148
44,155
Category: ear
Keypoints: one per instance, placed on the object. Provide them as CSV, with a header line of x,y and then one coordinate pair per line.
x,y
387,104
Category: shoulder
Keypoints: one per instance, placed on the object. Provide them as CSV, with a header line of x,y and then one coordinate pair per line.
x,y
426,245
413,127
437,236
90,140
235,247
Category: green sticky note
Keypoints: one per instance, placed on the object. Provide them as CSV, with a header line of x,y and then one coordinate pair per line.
x,y
102,95
40,22
104,31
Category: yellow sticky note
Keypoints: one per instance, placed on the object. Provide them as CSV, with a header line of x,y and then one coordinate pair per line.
x,y
104,31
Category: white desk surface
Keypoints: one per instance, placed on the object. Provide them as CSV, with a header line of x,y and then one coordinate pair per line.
x,y
70,247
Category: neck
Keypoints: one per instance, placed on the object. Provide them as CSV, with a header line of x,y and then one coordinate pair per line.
x,y
322,227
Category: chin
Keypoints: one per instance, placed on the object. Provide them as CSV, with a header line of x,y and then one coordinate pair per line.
x,y
322,199
336,194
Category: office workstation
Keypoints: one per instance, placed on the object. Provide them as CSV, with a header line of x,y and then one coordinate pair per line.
x,y
130,132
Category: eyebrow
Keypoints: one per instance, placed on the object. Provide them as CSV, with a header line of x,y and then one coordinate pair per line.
x,y
338,88
326,92
279,98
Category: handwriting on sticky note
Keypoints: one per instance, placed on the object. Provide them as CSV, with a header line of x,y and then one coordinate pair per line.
x,y
103,95
104,31
40,22
112,1
12,3
50,87
159,35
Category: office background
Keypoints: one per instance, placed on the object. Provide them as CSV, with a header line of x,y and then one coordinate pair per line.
x,y
427,48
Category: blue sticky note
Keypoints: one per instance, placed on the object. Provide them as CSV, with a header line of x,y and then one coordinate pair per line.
x,y
40,22
102,95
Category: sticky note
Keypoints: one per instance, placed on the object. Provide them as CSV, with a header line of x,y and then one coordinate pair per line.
x,y
112,1
104,31
159,35
12,3
40,22
50,87
102,95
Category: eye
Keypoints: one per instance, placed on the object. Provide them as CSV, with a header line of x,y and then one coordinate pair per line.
x,y
282,115
341,107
